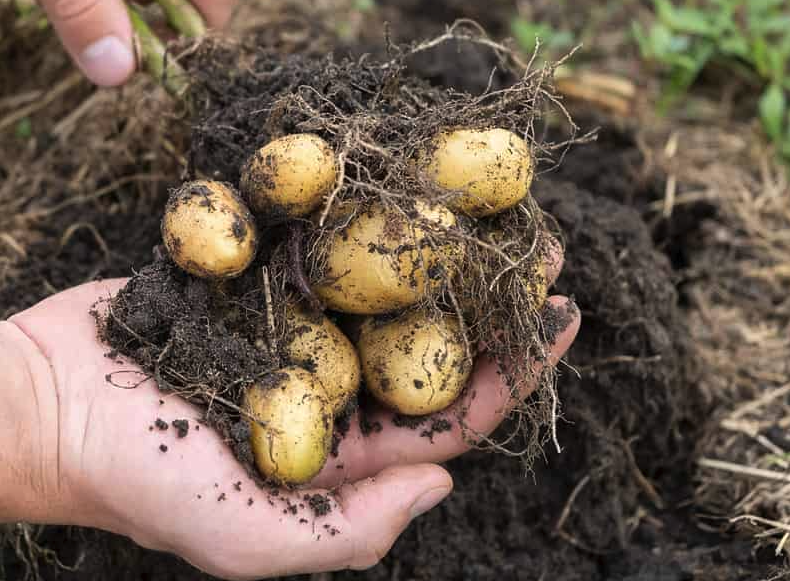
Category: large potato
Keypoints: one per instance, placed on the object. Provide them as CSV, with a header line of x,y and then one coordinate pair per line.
x,y
289,177
492,168
293,445
381,262
316,343
208,231
415,364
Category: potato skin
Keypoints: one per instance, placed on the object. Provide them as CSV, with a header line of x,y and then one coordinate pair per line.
x,y
538,286
294,445
289,177
415,364
318,344
493,168
373,266
208,231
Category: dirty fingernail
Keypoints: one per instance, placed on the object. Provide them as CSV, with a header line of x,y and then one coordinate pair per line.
x,y
428,500
107,62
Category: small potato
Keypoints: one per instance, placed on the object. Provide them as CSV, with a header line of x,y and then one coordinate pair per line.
x,y
289,177
208,231
415,364
293,445
316,343
538,286
535,279
493,169
374,265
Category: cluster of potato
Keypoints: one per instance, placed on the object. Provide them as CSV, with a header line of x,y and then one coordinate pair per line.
x,y
414,362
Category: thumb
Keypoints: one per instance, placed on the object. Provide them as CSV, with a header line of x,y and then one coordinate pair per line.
x,y
378,509
98,36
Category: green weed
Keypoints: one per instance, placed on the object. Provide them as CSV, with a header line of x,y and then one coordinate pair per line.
x,y
553,42
751,37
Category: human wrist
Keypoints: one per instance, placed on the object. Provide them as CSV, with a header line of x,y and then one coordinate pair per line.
x,y
32,485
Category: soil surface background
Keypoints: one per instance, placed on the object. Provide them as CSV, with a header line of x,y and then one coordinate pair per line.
x,y
618,504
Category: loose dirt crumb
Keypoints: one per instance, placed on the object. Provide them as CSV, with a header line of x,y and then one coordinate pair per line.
x,y
319,504
161,424
250,502
438,426
182,427
221,497
410,422
367,427
163,447
237,486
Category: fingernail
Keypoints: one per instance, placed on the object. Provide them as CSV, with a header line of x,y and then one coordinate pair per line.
x,y
107,62
428,500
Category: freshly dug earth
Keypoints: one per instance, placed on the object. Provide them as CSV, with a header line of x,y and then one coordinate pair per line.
x,y
614,506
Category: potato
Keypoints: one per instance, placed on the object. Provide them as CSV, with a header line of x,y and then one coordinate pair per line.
x,y
535,279
289,177
415,364
537,285
492,168
293,445
316,343
208,231
374,266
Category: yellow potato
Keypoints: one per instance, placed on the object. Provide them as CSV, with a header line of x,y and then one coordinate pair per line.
x,y
317,344
535,279
293,445
208,231
492,168
289,177
415,364
374,265
537,284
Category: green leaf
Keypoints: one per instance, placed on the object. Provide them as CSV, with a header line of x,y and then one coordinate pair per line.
x,y
527,33
777,66
642,40
735,46
760,57
24,128
689,20
773,106
365,5
661,41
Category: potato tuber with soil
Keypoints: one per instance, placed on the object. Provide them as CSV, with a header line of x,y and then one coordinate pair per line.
x,y
290,425
415,364
289,177
376,198
316,343
381,261
491,169
208,230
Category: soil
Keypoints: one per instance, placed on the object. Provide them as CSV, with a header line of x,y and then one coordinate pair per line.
x,y
615,505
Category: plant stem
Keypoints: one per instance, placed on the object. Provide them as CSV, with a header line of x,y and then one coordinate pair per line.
x,y
183,17
155,59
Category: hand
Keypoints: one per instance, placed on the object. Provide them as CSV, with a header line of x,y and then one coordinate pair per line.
x,y
98,35
95,462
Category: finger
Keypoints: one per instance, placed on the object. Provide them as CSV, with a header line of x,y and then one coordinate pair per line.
x,y
373,513
98,36
554,261
216,12
485,404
